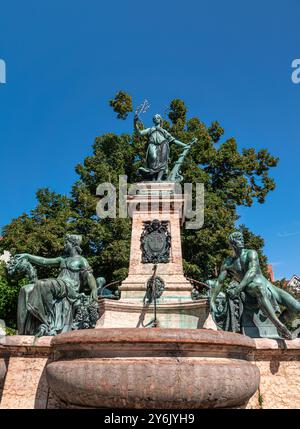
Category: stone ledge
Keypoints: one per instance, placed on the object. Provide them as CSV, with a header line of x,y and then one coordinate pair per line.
x,y
152,336
134,306
28,343
283,350
21,345
271,344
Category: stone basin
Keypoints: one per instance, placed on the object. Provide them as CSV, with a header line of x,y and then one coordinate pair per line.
x,y
153,368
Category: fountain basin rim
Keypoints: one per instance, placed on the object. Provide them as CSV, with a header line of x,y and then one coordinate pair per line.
x,y
152,335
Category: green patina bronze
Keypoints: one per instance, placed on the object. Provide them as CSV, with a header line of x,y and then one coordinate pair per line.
x,y
252,304
157,155
54,305
154,289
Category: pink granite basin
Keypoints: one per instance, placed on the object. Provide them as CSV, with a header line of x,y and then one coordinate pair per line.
x,y
153,368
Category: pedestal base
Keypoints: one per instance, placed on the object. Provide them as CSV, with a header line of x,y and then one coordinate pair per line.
x,y
133,314
257,325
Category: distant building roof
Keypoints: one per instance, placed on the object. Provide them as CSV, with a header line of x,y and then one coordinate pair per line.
x,y
294,283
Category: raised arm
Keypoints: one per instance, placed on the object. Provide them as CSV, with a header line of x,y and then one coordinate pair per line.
x,y
39,260
179,143
137,128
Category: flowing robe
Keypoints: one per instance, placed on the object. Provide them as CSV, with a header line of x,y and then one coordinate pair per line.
x,y
157,154
49,305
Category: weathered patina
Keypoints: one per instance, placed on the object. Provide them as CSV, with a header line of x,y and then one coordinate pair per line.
x,y
251,303
157,154
54,305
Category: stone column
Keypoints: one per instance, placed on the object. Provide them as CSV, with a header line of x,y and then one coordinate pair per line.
x,y
156,201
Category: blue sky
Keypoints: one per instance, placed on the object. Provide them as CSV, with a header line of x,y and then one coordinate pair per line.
x,y
230,61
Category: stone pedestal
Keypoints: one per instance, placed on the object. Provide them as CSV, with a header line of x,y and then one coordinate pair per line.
x,y
156,201
175,308
22,368
126,314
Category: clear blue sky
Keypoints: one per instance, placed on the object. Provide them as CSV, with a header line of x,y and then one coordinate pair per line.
x,y
229,60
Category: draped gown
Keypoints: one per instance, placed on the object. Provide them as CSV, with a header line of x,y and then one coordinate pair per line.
x,y
157,154
50,304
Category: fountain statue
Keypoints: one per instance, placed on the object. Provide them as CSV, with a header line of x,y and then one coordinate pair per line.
x,y
157,154
251,303
54,305
183,360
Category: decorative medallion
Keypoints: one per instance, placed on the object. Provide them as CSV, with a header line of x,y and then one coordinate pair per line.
x,y
155,242
155,287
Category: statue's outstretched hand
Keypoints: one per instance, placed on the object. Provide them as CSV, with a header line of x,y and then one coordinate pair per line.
x,y
189,145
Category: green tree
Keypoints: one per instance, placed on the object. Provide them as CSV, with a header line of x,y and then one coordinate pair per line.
x,y
231,177
9,290
41,232
282,283
122,104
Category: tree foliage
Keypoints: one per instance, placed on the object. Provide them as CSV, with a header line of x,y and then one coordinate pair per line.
x,y
231,177
282,283
121,104
9,290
